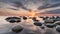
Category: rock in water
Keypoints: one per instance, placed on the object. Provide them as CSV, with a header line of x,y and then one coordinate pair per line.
x,y
58,29
38,24
57,22
25,18
49,21
50,25
13,19
17,29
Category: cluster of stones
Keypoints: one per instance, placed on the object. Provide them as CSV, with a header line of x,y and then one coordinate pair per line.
x,y
50,22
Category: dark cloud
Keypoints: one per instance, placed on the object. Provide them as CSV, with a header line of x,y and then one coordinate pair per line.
x,y
24,4
13,8
48,6
16,3
26,8
55,0
19,5
31,4
57,11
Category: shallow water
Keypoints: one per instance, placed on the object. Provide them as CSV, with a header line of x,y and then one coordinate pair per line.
x,y
29,27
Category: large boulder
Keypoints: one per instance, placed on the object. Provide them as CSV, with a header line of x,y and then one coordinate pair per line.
x,y
58,29
57,22
38,24
17,29
50,25
13,19
49,21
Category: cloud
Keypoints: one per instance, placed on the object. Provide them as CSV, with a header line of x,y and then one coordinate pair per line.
x,y
17,4
57,11
49,6
23,4
29,5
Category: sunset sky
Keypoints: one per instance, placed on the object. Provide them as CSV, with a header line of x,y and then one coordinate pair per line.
x,y
22,7
9,8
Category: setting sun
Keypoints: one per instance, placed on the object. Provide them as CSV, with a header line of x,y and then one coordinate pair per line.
x,y
32,14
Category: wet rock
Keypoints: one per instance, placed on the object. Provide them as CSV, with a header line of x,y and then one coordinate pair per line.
x,y
17,29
